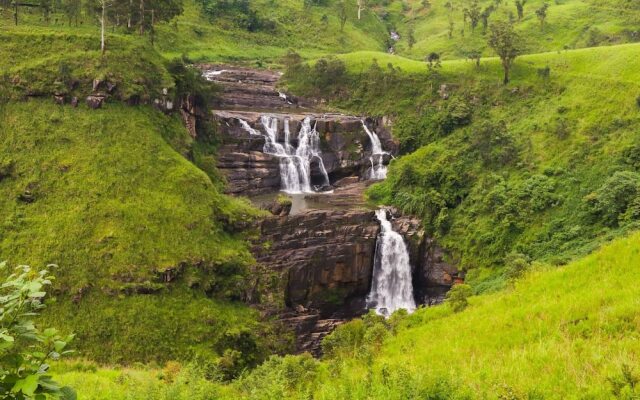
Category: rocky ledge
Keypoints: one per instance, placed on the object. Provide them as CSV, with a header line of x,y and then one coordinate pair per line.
x,y
345,146
249,89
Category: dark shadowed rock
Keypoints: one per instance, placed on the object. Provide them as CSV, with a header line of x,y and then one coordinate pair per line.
x,y
95,101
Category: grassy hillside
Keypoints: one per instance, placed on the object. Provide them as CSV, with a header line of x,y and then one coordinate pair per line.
x,y
563,333
146,244
543,169
558,334
296,27
569,24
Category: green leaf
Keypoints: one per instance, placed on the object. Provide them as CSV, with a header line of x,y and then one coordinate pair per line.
x,y
27,385
59,345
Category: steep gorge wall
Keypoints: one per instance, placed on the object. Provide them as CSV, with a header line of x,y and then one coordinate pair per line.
x,y
321,262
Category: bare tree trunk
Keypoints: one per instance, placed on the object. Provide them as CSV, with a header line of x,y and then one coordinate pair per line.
x,y
141,17
102,23
129,14
15,14
153,28
506,73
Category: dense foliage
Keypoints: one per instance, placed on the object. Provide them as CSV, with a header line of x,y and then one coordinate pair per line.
x,y
25,349
532,168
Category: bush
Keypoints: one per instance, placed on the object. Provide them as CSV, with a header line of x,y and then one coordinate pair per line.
x,y
458,297
25,349
494,144
614,198
280,376
516,265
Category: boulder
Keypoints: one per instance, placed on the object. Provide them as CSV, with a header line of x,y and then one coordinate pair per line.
x,y
95,101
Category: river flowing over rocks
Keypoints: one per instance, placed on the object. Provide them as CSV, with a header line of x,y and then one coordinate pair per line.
x,y
325,256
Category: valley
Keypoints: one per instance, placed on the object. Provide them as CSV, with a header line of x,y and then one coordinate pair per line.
x,y
319,199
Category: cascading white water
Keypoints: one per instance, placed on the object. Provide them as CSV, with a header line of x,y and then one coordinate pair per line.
x,y
392,286
378,169
309,147
295,163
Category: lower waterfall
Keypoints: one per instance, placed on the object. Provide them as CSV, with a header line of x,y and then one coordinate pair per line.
x,y
378,169
295,163
392,286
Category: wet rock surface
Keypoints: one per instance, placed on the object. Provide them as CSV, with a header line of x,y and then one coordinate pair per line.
x,y
249,89
345,146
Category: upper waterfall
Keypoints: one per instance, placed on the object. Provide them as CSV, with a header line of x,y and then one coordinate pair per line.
x,y
378,169
295,163
392,286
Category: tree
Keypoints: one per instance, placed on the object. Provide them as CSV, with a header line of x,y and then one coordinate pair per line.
x,y
541,13
361,6
25,350
504,40
458,297
433,60
520,8
71,9
411,40
342,13
485,18
474,14
475,55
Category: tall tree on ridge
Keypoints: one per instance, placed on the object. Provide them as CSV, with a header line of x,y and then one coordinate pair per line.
x,y
504,40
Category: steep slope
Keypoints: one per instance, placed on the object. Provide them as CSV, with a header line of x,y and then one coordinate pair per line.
x,y
568,24
543,169
308,29
559,333
146,244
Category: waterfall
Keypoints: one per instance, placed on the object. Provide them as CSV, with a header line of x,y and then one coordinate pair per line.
x,y
378,169
391,287
309,147
295,163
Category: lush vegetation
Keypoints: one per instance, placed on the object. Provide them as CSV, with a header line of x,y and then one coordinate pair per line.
x,y
514,180
555,333
542,169
26,350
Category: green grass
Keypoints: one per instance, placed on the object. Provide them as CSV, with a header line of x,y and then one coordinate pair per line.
x,y
121,212
297,28
40,62
571,131
569,24
560,333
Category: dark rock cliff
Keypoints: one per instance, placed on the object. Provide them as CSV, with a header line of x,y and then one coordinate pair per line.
x,y
322,261
346,148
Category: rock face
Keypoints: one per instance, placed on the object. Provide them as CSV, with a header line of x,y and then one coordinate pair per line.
x,y
323,262
345,146
249,89
325,257
314,267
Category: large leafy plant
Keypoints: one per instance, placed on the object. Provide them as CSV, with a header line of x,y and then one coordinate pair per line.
x,y
26,350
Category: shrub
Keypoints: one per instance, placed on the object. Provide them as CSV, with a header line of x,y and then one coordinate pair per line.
x,y
458,297
278,377
516,265
494,144
25,349
614,197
